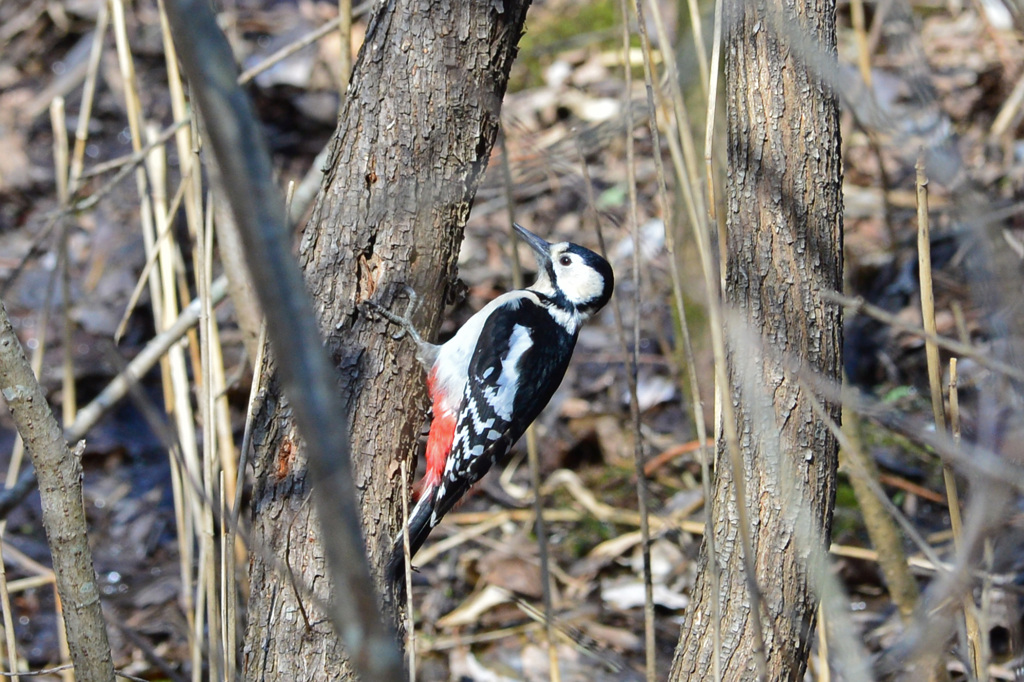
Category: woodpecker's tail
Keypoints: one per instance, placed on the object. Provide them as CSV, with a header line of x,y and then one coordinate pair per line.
x,y
419,529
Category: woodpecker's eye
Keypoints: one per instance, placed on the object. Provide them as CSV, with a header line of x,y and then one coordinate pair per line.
x,y
565,260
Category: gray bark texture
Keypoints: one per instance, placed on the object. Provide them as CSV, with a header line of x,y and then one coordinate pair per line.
x,y
60,491
784,245
421,116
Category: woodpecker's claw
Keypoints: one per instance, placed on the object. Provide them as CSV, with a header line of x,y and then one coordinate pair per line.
x,y
425,352
414,301
403,322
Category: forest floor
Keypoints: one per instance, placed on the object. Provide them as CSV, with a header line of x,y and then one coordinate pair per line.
x,y
947,79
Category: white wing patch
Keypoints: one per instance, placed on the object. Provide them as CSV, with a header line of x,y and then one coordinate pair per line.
x,y
452,363
502,396
498,396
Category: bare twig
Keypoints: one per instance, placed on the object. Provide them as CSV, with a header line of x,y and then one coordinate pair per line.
x,y
983,358
61,668
124,165
63,510
308,39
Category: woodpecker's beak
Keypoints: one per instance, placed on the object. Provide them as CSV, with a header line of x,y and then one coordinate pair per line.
x,y
539,246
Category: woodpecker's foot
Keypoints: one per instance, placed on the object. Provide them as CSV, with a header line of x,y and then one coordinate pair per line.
x,y
425,352
403,321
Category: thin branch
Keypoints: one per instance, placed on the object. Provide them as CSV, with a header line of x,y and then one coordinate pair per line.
x,y
63,508
964,350
61,668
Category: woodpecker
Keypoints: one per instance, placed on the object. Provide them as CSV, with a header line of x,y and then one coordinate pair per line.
x,y
490,381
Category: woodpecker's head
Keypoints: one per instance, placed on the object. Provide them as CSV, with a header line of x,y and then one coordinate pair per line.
x,y
572,276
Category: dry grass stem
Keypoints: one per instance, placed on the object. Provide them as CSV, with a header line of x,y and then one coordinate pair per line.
x,y
151,261
540,530
688,179
255,394
30,583
60,147
10,641
935,383
697,29
978,653
650,668
533,458
61,164
860,32
428,645
710,114
345,36
88,93
824,671
486,522
410,613
210,392
226,581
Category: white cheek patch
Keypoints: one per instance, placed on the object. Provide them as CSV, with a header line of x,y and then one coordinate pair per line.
x,y
580,283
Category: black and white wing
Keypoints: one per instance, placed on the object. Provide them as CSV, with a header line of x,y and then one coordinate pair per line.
x,y
519,361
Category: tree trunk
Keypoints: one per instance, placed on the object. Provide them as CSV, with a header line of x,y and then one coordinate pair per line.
x,y
421,115
784,234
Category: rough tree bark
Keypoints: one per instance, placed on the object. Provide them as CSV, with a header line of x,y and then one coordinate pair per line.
x,y
415,134
784,234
